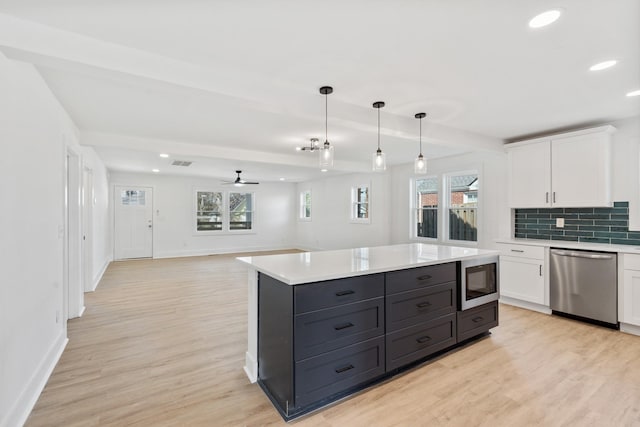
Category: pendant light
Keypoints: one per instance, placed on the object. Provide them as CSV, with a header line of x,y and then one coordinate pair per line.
x,y
326,152
420,164
379,158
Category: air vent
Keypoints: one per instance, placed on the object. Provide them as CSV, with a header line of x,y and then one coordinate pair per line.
x,y
181,163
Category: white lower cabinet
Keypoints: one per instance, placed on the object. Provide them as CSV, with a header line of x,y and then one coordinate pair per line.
x,y
630,313
522,276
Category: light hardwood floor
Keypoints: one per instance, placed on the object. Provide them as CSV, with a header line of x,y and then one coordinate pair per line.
x,y
162,343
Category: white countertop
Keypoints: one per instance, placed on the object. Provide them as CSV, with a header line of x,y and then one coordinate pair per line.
x,y
603,247
307,267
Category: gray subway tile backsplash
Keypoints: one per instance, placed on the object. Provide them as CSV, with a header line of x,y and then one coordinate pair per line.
x,y
593,225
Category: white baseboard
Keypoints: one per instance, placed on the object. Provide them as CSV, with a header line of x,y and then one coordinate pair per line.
x,y
26,400
98,277
205,252
525,304
84,307
251,367
630,329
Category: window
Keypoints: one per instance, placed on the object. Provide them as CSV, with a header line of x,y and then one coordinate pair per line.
x,y
463,206
240,211
209,212
426,207
458,217
360,204
133,197
305,205
219,212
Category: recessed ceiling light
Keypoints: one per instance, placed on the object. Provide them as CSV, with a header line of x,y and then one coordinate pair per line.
x,y
281,179
545,18
323,170
603,65
634,93
155,170
164,155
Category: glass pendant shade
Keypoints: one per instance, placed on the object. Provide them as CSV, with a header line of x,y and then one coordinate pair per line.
x,y
379,161
420,165
326,157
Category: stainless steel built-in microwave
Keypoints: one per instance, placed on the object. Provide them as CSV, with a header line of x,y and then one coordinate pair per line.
x,y
479,281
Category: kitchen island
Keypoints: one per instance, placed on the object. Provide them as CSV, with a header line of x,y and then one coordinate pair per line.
x,y
312,314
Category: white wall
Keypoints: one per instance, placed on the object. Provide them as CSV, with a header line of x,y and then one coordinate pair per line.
x,y
330,226
173,203
493,221
626,167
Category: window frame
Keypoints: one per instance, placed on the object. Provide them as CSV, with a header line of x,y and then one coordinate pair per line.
x,y
302,205
225,212
415,208
446,189
353,206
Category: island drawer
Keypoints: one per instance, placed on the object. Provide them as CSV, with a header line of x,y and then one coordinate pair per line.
x,y
331,293
410,308
320,331
413,343
321,376
477,320
415,278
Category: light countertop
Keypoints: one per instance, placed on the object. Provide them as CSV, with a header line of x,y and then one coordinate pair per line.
x,y
307,267
603,247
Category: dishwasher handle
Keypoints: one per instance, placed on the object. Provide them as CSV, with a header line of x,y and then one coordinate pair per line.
x,y
581,254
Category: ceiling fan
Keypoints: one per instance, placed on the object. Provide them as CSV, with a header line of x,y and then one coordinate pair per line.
x,y
239,181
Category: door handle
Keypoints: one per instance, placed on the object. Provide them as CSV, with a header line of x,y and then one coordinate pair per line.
x,y
540,270
517,250
343,326
344,293
423,304
423,339
344,369
425,277
554,197
477,319
150,226
546,197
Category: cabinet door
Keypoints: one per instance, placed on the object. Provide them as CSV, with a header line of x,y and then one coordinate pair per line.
x,y
530,175
522,278
631,297
580,171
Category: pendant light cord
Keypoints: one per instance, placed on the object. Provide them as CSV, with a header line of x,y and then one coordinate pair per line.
x,y
421,136
326,113
378,128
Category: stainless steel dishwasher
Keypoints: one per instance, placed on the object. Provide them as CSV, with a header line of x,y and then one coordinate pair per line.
x,y
584,284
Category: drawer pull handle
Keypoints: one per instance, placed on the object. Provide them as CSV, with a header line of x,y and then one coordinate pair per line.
x,y
477,319
343,326
423,304
517,250
344,369
343,293
424,277
423,339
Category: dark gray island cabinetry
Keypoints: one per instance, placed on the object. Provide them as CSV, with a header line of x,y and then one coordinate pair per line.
x,y
321,341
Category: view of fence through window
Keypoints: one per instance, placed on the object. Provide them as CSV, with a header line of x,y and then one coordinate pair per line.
x,y
361,203
427,207
461,202
209,212
240,211
463,207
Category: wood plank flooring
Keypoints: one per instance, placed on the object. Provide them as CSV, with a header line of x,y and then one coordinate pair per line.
x,y
162,343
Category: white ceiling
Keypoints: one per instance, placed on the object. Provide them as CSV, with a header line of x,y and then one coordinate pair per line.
x,y
234,84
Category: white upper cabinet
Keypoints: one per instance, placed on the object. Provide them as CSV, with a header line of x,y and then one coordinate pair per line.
x,y
566,170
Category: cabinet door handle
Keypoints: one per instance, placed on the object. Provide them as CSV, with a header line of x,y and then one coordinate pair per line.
x,y
425,277
540,270
546,197
554,197
477,319
423,339
344,293
343,326
517,250
344,369
423,304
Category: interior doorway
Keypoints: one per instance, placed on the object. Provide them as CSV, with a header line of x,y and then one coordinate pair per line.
x,y
133,228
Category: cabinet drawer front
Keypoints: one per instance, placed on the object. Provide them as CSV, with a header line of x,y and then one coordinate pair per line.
x,y
321,376
319,295
325,330
521,251
477,320
415,278
413,343
631,262
413,307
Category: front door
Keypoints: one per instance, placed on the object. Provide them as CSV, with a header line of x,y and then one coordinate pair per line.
x,y
133,222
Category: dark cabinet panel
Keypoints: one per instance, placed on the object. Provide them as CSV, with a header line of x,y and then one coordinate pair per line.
x,y
320,295
321,376
415,278
325,330
409,308
477,320
413,343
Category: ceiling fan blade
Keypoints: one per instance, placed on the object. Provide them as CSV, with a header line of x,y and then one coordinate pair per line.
x,y
249,182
